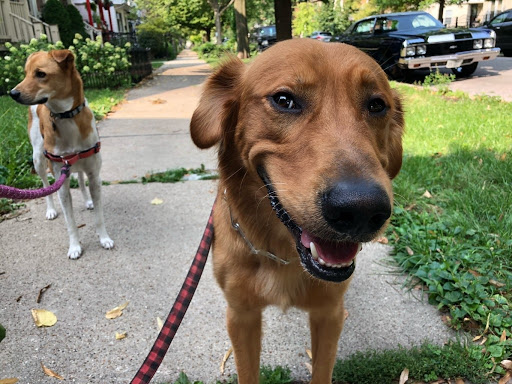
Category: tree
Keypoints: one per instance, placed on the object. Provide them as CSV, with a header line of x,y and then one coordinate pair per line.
x,y
76,21
402,5
283,12
305,20
335,18
55,13
219,7
242,39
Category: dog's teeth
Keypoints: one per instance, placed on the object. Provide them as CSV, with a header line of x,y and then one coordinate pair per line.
x,y
360,247
328,265
321,261
314,252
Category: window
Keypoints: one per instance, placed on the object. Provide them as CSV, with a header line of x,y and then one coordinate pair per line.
x,y
499,19
386,25
423,21
365,26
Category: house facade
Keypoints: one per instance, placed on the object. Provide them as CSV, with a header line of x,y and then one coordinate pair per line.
x,y
472,13
20,20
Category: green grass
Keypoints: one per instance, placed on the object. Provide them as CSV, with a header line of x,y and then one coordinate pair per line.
x,y
16,151
157,64
458,242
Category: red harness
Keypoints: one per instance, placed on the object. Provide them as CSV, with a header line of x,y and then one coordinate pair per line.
x,y
72,159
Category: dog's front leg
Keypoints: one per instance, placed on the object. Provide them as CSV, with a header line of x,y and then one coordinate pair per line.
x,y
75,250
85,192
244,328
325,325
95,189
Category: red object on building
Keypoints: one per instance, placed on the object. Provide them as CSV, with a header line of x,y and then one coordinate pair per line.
x,y
89,12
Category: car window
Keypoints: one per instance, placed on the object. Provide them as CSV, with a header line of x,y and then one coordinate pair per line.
x,y
423,21
386,25
268,31
499,19
365,26
509,17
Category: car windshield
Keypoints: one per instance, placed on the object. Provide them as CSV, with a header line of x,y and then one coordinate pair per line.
x,y
268,31
406,22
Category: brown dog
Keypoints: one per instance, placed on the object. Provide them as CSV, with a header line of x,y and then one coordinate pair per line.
x,y
309,138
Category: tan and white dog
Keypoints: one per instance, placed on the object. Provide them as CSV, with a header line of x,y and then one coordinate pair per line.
x,y
62,129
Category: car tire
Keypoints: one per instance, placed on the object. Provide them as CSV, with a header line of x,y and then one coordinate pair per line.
x,y
465,70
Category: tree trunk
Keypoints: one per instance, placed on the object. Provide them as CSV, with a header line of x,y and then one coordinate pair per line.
x,y
218,26
441,10
283,12
242,39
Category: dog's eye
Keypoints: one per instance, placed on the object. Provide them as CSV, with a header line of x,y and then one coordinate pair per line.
x,y
285,102
377,106
40,74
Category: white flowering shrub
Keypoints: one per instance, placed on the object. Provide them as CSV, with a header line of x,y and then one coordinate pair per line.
x,y
105,61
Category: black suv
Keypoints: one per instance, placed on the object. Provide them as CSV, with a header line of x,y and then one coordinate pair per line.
x,y
265,36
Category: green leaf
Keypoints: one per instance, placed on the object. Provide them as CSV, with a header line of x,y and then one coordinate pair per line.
x,y
2,332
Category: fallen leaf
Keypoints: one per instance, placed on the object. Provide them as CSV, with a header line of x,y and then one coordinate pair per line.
x,y
497,284
474,273
483,341
506,364
225,358
476,338
505,379
345,314
427,194
41,291
44,318
120,335
309,367
383,240
81,226
158,101
49,372
459,380
116,312
310,354
404,376
156,201
410,252
9,381
159,323
503,336
503,157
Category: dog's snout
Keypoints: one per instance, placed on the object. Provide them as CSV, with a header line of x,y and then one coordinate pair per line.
x,y
15,94
356,208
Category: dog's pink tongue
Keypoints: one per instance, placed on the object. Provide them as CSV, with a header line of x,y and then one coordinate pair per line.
x,y
329,251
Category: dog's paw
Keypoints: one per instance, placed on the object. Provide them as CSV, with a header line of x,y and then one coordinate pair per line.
x,y
107,243
75,252
89,204
51,214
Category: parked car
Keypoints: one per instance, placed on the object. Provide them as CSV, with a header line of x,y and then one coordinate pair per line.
x,y
407,41
265,36
501,24
321,36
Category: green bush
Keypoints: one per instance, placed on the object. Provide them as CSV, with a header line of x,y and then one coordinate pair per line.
x,y
77,23
210,50
54,12
91,58
153,37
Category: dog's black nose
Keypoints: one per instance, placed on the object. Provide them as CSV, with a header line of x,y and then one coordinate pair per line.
x,y
15,94
356,207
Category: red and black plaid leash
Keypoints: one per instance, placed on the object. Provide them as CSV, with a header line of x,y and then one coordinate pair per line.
x,y
178,310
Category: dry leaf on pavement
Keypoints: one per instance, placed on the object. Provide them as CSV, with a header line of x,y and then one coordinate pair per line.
x,y
310,354
159,323
120,335
225,358
43,318
404,376
383,240
309,367
49,372
116,312
156,201
427,194
9,381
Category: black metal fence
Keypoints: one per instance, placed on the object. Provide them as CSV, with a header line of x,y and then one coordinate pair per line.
x,y
140,59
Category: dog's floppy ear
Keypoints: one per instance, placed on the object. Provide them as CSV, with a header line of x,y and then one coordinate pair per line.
x,y
395,138
63,56
218,106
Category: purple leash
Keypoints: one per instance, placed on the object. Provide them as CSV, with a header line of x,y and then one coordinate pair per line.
x,y
19,194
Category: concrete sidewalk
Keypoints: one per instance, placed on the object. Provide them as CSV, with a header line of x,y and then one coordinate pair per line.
x,y
155,245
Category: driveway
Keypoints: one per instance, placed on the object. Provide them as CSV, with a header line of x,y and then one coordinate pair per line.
x,y
493,78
